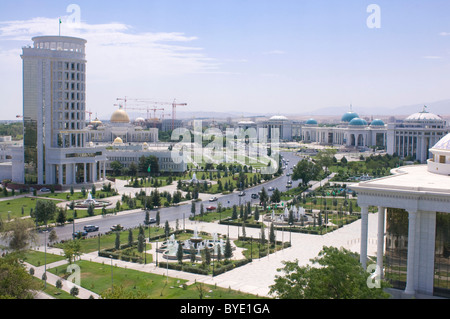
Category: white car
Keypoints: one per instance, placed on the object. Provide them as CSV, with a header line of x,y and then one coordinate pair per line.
x,y
213,199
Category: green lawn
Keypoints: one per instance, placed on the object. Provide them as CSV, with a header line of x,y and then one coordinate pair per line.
x,y
97,278
37,258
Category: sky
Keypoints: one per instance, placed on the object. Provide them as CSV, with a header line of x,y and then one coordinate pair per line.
x,y
253,56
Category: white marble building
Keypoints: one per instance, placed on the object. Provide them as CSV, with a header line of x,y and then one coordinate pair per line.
x,y
413,224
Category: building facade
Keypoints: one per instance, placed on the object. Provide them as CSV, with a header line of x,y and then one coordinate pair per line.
x,y
414,137
413,244
54,108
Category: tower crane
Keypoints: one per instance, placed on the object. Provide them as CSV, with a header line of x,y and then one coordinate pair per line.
x,y
173,104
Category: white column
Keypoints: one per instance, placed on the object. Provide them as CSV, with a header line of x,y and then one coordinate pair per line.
x,y
84,172
410,268
380,240
104,170
94,172
364,231
60,174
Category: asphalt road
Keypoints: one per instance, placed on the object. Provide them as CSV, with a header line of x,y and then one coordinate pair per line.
x,y
136,217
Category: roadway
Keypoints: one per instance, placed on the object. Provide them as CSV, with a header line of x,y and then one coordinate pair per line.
x,y
133,218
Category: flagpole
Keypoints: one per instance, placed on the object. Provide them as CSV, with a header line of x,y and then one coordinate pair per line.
x,y
59,26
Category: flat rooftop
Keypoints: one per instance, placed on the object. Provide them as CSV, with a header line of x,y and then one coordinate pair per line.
x,y
412,179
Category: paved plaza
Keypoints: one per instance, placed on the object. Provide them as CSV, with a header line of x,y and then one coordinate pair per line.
x,y
255,277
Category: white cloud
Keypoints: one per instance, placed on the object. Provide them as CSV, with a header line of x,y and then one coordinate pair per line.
x,y
117,55
274,52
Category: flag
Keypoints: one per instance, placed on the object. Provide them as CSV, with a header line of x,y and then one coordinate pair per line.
x,y
149,169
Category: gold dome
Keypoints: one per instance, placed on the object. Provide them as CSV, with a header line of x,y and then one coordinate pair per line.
x,y
120,116
118,140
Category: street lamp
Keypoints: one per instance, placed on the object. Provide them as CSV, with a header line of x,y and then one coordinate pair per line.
x,y
45,258
112,282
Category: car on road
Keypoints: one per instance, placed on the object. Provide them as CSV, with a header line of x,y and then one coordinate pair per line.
x,y
152,221
213,199
241,193
44,190
116,227
270,188
255,196
80,234
210,208
89,228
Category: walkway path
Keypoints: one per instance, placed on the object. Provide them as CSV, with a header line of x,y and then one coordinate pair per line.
x,y
255,277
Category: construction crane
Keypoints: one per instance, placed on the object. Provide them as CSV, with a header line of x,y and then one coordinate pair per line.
x,y
174,112
148,109
173,104
90,115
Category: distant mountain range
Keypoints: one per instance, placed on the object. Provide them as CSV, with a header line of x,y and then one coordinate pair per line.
x,y
440,108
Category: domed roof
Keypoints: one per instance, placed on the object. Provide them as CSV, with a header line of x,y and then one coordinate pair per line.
x,y
278,118
118,140
377,122
311,122
347,117
423,116
140,119
443,143
96,121
357,121
120,116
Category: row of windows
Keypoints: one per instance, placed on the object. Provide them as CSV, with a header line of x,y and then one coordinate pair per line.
x,y
78,86
70,96
74,76
70,66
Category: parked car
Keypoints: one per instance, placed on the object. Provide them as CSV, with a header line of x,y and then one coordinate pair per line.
x,y
89,228
44,190
116,227
79,234
213,199
209,208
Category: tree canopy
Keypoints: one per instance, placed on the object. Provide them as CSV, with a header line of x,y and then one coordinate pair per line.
x,y
335,274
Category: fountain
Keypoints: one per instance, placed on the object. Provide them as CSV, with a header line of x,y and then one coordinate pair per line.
x,y
170,247
90,201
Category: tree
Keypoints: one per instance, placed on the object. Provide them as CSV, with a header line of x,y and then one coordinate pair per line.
x,y
180,253
272,235
18,233
72,249
141,243
116,166
193,209
263,197
130,237
158,218
61,218
228,251
16,282
117,241
167,228
339,275
44,211
256,217
276,196
306,171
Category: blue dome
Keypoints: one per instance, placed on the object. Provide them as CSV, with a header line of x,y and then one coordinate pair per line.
x,y
311,122
347,117
377,122
357,121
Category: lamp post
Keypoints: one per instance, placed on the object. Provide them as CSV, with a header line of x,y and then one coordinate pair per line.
x,y
45,258
112,281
